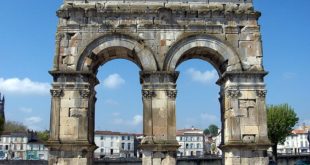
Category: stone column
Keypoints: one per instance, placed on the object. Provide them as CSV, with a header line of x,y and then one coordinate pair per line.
x,y
72,119
159,144
244,116
54,116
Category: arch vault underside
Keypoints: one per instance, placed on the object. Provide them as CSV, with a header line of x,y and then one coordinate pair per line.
x,y
158,36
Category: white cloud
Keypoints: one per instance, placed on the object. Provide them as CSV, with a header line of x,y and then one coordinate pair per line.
x,y
116,114
111,102
206,77
118,121
34,123
25,110
33,120
23,86
288,75
208,117
136,120
113,81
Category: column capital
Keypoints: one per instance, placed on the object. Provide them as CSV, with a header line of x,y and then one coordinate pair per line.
x,y
233,93
56,92
261,93
148,94
172,94
85,93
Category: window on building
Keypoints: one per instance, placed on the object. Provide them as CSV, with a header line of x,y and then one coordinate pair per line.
x,y
6,147
198,145
112,137
186,146
123,146
111,151
192,145
123,137
21,147
101,150
128,137
128,146
101,137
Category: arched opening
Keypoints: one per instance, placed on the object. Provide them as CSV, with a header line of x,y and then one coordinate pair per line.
x,y
197,107
223,59
118,109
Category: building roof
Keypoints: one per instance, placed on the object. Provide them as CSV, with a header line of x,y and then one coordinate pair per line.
x,y
15,134
189,131
115,133
302,130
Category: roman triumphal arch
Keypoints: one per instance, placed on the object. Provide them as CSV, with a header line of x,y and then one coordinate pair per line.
x,y
157,36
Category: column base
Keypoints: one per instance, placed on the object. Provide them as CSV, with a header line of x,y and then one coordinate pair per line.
x,y
245,154
77,153
159,154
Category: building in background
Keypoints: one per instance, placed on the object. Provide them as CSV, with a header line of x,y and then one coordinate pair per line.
x,y
2,103
22,146
212,144
13,145
35,148
297,142
114,144
191,142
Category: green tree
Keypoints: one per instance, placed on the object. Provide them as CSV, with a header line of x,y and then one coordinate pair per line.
x,y
206,131
280,120
43,135
213,130
1,125
13,126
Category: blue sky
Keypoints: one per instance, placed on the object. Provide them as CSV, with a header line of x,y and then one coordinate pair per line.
x,y
27,43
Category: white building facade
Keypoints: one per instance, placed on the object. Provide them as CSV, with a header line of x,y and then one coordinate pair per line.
x,y
13,145
191,142
114,144
296,143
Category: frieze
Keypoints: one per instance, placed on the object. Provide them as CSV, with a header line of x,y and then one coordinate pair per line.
x,y
56,92
261,93
172,94
148,94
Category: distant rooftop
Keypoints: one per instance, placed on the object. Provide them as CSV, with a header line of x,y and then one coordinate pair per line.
x,y
115,133
189,131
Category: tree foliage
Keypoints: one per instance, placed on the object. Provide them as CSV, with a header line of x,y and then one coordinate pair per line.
x,y
1,125
280,120
206,131
13,126
211,130
43,135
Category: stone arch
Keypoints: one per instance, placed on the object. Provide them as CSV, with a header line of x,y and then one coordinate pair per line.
x,y
109,47
218,53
